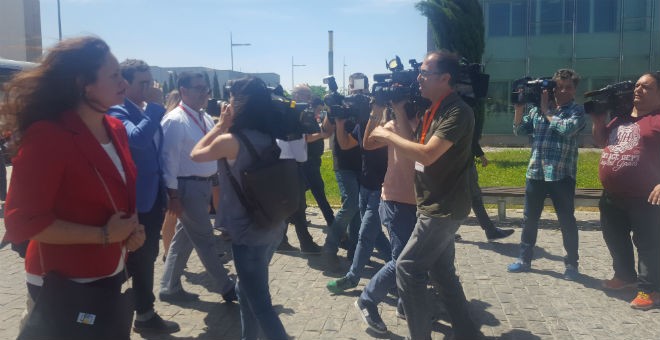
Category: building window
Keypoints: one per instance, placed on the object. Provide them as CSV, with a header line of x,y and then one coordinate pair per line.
x,y
499,19
507,18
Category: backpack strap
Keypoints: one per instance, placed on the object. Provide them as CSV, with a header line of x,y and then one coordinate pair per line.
x,y
234,182
237,187
243,138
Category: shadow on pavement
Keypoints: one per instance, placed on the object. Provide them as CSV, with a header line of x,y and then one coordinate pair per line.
x,y
518,334
512,250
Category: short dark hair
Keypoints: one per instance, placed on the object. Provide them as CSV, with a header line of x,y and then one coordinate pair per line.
x,y
655,75
360,75
447,62
128,68
185,78
567,74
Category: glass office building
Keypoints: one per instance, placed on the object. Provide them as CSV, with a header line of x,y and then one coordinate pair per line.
x,y
605,41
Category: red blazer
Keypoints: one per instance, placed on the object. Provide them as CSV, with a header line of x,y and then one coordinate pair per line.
x,y
53,177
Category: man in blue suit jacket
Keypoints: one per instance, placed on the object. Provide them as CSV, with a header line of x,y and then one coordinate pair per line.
x,y
141,114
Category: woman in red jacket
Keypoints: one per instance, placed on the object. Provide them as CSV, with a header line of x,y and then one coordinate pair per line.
x,y
72,190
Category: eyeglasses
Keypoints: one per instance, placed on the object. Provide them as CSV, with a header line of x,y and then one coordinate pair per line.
x,y
426,73
201,89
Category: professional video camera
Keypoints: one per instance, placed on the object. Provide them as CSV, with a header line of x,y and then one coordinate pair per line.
x,y
397,86
617,99
528,90
472,84
214,106
354,106
401,84
291,114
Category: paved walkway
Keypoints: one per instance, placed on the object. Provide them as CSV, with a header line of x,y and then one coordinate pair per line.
x,y
536,305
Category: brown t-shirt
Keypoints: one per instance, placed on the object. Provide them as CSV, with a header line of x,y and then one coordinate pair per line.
x,y
630,163
442,188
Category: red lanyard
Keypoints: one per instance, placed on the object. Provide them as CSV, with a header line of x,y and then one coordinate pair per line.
x,y
201,125
428,118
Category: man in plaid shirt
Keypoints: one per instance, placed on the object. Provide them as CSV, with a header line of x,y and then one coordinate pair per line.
x,y
554,127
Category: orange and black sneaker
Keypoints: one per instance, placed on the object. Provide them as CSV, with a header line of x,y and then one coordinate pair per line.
x,y
616,283
646,301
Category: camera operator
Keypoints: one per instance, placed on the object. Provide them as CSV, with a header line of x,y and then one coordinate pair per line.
x,y
442,157
630,173
554,128
347,166
397,210
374,166
315,145
295,147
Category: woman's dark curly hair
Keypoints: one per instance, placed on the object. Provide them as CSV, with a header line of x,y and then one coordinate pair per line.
x,y
253,107
56,85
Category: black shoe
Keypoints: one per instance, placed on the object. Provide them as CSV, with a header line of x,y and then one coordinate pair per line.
x,y
180,296
230,296
458,237
156,325
498,233
285,247
370,316
311,248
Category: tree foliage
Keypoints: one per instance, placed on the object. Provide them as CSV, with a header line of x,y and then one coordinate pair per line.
x,y
457,25
318,91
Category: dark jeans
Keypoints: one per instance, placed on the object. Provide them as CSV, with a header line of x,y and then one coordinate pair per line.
x,y
621,216
399,219
477,202
562,194
430,249
299,219
254,299
314,181
140,263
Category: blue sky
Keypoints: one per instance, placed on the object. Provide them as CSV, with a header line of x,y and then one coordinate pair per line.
x,y
172,33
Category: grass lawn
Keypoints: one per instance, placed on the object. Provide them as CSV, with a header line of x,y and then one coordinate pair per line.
x,y
507,167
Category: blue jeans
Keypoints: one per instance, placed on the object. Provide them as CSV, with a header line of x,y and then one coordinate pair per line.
x,y
562,194
430,249
253,293
347,218
371,234
399,219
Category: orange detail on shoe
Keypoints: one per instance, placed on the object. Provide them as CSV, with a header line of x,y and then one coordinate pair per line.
x,y
646,301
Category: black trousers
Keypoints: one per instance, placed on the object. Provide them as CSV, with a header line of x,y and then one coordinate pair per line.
x,y
140,263
298,218
619,218
314,181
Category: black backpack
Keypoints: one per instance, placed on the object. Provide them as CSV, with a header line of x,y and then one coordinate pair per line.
x,y
270,186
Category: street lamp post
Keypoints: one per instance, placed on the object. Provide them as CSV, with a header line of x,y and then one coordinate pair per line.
x,y
232,44
343,76
59,19
293,65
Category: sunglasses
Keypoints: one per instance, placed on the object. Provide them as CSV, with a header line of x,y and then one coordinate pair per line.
x,y
426,73
201,89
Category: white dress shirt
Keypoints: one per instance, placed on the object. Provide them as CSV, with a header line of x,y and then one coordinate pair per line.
x,y
293,149
180,134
